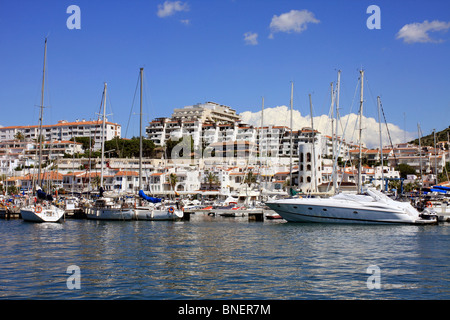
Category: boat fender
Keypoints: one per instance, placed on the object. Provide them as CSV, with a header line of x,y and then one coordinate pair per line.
x,y
429,204
38,209
171,210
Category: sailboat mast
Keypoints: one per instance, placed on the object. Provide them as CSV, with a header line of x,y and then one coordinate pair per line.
x,y
381,144
336,155
360,131
333,137
435,155
291,151
103,136
313,146
41,115
261,140
140,133
420,158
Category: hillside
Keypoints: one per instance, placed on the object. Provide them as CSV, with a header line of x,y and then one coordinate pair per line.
x,y
429,139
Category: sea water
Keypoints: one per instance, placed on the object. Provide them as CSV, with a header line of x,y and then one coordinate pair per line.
x,y
222,258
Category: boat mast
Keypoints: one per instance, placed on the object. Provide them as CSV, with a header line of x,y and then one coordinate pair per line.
x,y
103,135
140,134
360,131
381,144
420,158
260,144
41,116
313,146
335,148
435,156
291,151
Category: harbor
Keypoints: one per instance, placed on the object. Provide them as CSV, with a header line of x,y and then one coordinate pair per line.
x,y
228,150
214,257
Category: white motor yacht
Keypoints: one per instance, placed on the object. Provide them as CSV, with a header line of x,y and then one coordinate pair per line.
x,y
373,207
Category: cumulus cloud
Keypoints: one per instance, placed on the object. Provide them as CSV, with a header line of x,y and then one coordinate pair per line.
x,y
169,8
280,116
419,32
292,21
251,38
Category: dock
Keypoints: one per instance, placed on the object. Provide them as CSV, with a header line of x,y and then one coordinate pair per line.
x,y
252,214
7,213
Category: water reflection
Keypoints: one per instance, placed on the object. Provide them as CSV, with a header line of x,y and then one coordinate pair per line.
x,y
217,258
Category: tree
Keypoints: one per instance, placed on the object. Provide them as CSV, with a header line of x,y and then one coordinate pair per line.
x,y
172,179
443,176
405,169
181,145
19,136
394,184
95,182
128,148
211,179
250,178
12,190
411,186
85,141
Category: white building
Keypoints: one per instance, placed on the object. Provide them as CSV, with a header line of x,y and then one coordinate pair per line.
x,y
64,130
310,161
206,112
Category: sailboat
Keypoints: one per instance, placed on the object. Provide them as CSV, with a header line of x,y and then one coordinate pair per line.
x,y
153,208
368,207
107,207
42,210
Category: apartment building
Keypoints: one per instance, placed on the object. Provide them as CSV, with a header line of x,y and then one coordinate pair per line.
x,y
429,160
207,112
64,131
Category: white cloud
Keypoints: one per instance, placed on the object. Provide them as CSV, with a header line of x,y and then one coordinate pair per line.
x,y
418,32
280,116
251,38
292,21
186,21
171,7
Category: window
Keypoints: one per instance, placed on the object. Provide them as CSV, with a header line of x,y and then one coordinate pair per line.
x,y
308,157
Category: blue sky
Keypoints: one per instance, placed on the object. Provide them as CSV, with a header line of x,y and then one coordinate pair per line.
x,y
195,51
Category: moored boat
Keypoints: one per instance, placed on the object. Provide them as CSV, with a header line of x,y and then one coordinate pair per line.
x,y
373,207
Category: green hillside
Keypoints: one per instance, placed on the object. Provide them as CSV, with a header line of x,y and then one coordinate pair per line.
x,y
429,139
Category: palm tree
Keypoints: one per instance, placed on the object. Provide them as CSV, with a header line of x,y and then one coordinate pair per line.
x,y
95,182
172,179
250,178
19,136
211,178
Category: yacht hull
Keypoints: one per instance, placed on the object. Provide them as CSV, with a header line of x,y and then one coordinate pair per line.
x,y
157,215
109,214
52,214
323,214
359,210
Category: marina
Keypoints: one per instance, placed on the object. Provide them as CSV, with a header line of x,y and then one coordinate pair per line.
x,y
156,151
214,257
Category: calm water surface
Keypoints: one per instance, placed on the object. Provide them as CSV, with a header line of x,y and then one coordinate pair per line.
x,y
222,258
